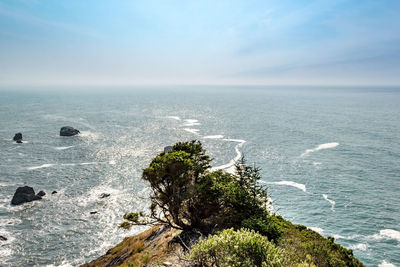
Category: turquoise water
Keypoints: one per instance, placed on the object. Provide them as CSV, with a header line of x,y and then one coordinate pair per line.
x,y
330,157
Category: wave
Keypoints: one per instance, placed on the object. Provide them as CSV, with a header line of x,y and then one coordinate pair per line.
x,y
213,136
320,147
360,246
47,165
330,201
386,264
317,229
89,134
63,147
174,118
290,183
112,162
190,130
387,234
191,122
230,166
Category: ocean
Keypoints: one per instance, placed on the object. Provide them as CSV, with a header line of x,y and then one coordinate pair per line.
x,y
329,156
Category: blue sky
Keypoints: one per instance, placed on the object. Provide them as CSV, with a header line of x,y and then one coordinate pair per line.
x,y
199,42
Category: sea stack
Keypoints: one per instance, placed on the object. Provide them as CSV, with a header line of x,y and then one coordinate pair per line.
x,y
68,131
18,138
24,194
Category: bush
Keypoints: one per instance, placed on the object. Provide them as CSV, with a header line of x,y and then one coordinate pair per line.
x,y
266,225
244,248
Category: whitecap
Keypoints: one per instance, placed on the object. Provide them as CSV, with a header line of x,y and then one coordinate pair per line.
x,y
230,166
361,246
315,163
63,147
317,229
191,122
387,234
47,165
213,136
386,264
190,130
112,162
88,163
174,118
320,147
330,201
290,183
89,134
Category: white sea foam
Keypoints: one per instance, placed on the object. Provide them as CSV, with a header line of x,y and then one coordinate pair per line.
x,y
317,229
190,130
63,147
230,166
360,246
330,201
112,162
387,234
386,264
89,163
213,136
191,122
89,135
315,163
290,183
47,165
320,147
174,118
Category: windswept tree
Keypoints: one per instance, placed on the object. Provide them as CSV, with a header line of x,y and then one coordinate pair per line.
x,y
187,194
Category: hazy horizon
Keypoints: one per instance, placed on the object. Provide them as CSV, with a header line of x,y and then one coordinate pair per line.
x,y
268,43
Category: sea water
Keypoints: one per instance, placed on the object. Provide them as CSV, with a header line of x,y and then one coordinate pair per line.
x,y
329,156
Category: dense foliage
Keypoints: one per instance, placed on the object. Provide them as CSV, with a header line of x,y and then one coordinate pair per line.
x,y
241,248
188,195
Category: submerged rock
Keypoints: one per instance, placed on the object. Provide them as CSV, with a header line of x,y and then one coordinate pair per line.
x,y
104,195
24,194
68,131
18,138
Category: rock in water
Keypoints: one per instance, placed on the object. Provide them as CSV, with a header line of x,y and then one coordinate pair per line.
x,y
24,194
104,195
3,238
68,131
167,149
18,138
54,192
41,193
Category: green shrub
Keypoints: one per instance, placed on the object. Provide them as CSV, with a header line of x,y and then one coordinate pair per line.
x,y
241,248
125,225
266,225
132,216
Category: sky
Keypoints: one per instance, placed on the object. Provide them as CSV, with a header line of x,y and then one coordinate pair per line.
x,y
282,42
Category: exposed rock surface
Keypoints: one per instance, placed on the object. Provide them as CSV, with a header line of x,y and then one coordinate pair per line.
x,y
18,138
104,195
54,192
3,238
68,131
167,149
41,193
154,247
24,194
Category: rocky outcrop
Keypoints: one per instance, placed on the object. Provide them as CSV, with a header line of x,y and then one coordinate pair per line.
x,y
18,138
167,149
24,194
104,195
153,247
68,131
